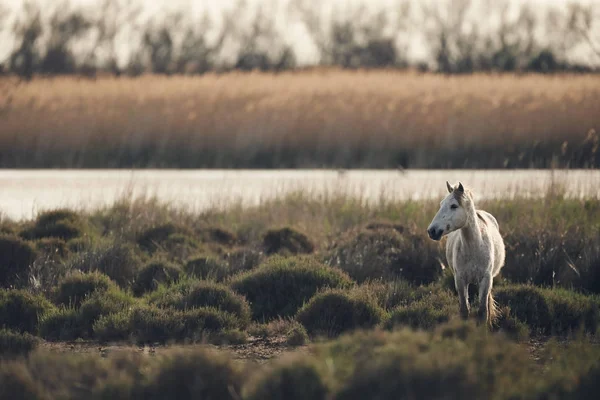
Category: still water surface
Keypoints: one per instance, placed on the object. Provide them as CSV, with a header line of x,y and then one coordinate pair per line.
x,y
23,193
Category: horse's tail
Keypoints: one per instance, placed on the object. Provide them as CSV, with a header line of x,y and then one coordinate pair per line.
x,y
494,311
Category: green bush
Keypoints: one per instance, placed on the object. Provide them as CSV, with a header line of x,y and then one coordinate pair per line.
x,y
117,260
426,313
16,255
63,224
190,294
333,312
20,310
14,344
281,285
151,324
73,289
113,327
101,304
550,311
387,254
153,274
287,241
61,324
289,379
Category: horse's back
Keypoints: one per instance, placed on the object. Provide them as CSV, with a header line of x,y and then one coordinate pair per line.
x,y
493,231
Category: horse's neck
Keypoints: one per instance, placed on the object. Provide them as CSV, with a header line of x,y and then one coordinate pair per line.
x,y
471,233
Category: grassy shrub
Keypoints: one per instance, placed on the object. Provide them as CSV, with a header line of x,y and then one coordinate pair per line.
x,y
197,374
117,260
453,362
287,241
207,267
101,304
13,344
193,294
153,274
294,332
16,255
387,254
63,224
21,310
333,312
60,324
55,248
244,259
113,327
281,285
290,378
73,289
547,311
426,313
175,373
152,324
154,239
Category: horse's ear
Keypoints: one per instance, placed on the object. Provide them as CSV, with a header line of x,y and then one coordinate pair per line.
x,y
449,186
460,188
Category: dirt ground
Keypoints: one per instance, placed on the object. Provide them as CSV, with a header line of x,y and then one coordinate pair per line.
x,y
256,349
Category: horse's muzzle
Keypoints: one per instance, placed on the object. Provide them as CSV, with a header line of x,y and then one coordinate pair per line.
x,y
435,233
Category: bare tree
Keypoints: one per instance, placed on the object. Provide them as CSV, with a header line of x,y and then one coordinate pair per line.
x,y
25,58
585,24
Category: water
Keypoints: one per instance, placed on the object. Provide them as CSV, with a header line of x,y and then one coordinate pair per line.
x,y
23,193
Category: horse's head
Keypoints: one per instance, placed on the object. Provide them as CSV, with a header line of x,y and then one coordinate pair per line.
x,y
452,214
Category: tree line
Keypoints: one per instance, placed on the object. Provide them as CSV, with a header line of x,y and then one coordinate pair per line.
x,y
71,40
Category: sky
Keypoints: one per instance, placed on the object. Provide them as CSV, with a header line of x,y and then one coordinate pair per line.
x,y
294,31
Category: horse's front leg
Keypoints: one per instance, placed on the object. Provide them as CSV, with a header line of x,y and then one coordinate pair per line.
x,y
462,287
485,297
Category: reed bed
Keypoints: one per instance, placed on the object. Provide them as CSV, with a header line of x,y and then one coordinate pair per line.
x,y
318,118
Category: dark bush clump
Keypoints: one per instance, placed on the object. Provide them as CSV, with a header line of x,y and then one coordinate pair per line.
x,y
281,285
20,310
287,241
54,248
218,235
73,289
153,274
550,311
335,311
289,379
63,224
13,344
16,255
155,238
116,260
207,267
243,260
193,294
387,254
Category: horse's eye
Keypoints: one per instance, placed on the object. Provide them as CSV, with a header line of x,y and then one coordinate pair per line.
x,y
454,206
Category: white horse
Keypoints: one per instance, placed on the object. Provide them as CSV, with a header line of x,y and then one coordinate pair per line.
x,y
474,250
